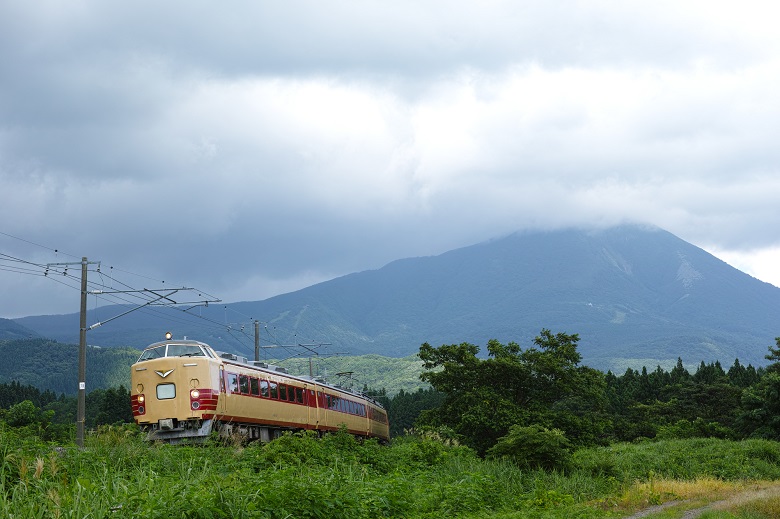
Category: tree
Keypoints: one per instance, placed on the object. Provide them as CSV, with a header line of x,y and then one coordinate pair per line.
x,y
760,415
543,385
404,408
110,406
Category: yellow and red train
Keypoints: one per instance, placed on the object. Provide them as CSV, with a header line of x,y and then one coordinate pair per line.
x,y
184,390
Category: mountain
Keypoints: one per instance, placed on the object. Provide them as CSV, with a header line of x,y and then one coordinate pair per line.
x,y
635,295
49,365
12,330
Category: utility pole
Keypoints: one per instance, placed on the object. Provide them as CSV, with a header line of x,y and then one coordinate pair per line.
x,y
257,340
81,410
81,405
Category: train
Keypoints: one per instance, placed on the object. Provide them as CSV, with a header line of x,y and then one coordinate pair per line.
x,y
184,391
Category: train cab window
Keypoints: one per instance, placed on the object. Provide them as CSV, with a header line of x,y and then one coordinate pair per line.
x,y
173,350
184,350
254,387
152,353
243,382
233,382
290,394
299,395
166,391
264,389
282,392
274,391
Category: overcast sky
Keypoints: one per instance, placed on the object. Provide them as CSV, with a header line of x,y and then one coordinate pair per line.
x,y
254,148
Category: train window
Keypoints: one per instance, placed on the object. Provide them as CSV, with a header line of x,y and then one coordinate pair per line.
x,y
184,350
328,401
152,353
254,387
274,390
299,395
264,388
282,392
243,381
233,382
291,393
166,391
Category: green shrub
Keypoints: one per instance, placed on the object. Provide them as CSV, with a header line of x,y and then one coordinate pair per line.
x,y
533,447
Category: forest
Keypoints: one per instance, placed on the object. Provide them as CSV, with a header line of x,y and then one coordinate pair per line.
x,y
476,399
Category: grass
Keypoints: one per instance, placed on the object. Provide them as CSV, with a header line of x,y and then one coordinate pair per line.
x,y
299,476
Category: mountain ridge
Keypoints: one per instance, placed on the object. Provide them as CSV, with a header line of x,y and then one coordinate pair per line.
x,y
634,294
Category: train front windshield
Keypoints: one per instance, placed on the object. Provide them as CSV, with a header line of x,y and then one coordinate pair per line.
x,y
172,350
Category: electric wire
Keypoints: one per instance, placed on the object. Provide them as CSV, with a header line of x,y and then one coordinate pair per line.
x,y
107,292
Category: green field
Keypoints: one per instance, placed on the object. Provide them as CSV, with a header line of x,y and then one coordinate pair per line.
x,y
117,474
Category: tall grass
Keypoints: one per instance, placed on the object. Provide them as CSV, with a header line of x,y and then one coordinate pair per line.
x,y
117,474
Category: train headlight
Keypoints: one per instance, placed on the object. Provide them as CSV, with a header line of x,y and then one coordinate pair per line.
x,y
194,394
141,399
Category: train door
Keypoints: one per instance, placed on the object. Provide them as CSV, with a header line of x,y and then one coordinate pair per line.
x,y
313,405
221,405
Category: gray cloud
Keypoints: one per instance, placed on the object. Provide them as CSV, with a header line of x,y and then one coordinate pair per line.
x,y
262,148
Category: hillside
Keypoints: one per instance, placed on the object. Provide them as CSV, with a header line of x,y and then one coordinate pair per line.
x,y
50,365
13,330
635,295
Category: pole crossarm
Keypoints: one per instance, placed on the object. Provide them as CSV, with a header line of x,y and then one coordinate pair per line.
x,y
168,292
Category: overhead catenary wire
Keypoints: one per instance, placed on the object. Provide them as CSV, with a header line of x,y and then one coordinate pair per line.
x,y
107,289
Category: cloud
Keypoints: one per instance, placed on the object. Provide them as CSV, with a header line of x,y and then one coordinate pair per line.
x,y
295,142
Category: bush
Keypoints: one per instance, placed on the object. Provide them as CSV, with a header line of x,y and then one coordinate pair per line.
x,y
534,447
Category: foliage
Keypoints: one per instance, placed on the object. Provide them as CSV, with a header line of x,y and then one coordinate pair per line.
x,y
533,447
683,459
52,366
542,385
707,403
404,408
110,406
298,475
